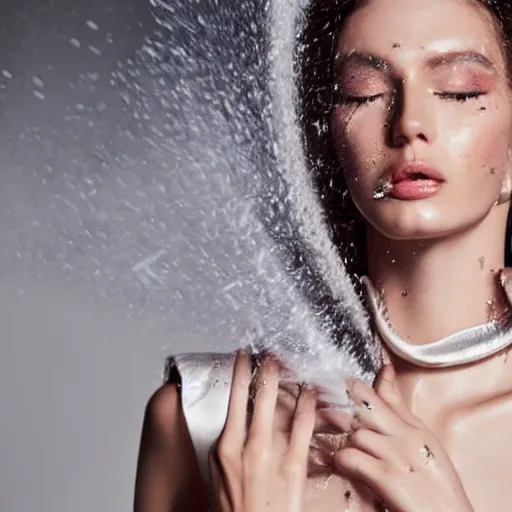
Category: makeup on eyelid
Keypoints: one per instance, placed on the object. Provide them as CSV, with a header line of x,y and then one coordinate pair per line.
x,y
359,85
482,82
454,73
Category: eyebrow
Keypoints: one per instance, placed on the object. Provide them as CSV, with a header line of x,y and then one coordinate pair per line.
x,y
450,58
437,61
362,58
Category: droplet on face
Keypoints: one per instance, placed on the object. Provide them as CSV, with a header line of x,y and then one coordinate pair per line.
x,y
382,190
405,293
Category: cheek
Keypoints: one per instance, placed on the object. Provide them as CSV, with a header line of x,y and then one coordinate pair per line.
x,y
357,138
480,147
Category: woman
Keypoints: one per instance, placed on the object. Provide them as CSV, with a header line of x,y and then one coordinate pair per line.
x,y
421,124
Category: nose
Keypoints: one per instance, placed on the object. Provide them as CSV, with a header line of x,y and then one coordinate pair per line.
x,y
412,116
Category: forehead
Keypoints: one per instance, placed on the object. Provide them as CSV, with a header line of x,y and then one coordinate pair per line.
x,y
408,29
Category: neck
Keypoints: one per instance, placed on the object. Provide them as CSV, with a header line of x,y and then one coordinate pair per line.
x,y
433,288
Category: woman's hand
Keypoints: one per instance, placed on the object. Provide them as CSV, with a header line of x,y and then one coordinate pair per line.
x,y
395,454
246,476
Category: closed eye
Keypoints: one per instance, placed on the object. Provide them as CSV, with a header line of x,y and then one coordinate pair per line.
x,y
459,96
347,99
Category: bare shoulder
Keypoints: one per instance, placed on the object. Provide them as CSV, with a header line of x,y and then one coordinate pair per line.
x,y
164,416
168,477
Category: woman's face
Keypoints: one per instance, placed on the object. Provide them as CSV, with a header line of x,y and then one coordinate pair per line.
x,y
423,117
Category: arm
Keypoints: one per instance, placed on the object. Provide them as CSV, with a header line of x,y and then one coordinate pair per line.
x,y
168,477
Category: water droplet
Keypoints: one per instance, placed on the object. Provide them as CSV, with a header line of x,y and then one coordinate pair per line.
x,y
92,25
75,42
6,73
38,82
405,293
94,50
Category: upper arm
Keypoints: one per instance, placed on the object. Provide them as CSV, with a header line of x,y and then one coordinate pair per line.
x,y
168,477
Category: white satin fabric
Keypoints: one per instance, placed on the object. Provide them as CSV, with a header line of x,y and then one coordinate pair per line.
x,y
463,347
205,389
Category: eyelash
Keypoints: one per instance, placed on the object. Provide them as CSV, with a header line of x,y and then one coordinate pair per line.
x,y
358,100
459,97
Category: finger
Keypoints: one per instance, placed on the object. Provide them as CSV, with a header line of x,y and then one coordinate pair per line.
x,y
233,436
374,444
220,496
355,464
265,398
372,411
303,425
334,420
386,387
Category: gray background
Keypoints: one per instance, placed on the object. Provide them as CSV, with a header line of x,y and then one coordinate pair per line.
x,y
82,345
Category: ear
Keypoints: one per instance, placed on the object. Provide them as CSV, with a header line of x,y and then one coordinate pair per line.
x,y
506,185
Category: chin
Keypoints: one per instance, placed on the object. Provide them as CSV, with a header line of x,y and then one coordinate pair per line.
x,y
408,225
427,219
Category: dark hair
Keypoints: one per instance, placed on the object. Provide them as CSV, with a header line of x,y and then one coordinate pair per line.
x,y
323,22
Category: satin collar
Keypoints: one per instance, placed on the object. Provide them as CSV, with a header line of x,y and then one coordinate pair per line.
x,y
463,347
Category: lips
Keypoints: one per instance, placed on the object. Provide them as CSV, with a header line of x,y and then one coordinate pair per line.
x,y
413,181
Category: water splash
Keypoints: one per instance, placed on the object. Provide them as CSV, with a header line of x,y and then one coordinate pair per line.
x,y
215,89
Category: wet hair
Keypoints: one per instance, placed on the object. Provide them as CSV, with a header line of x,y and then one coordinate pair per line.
x,y
323,23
